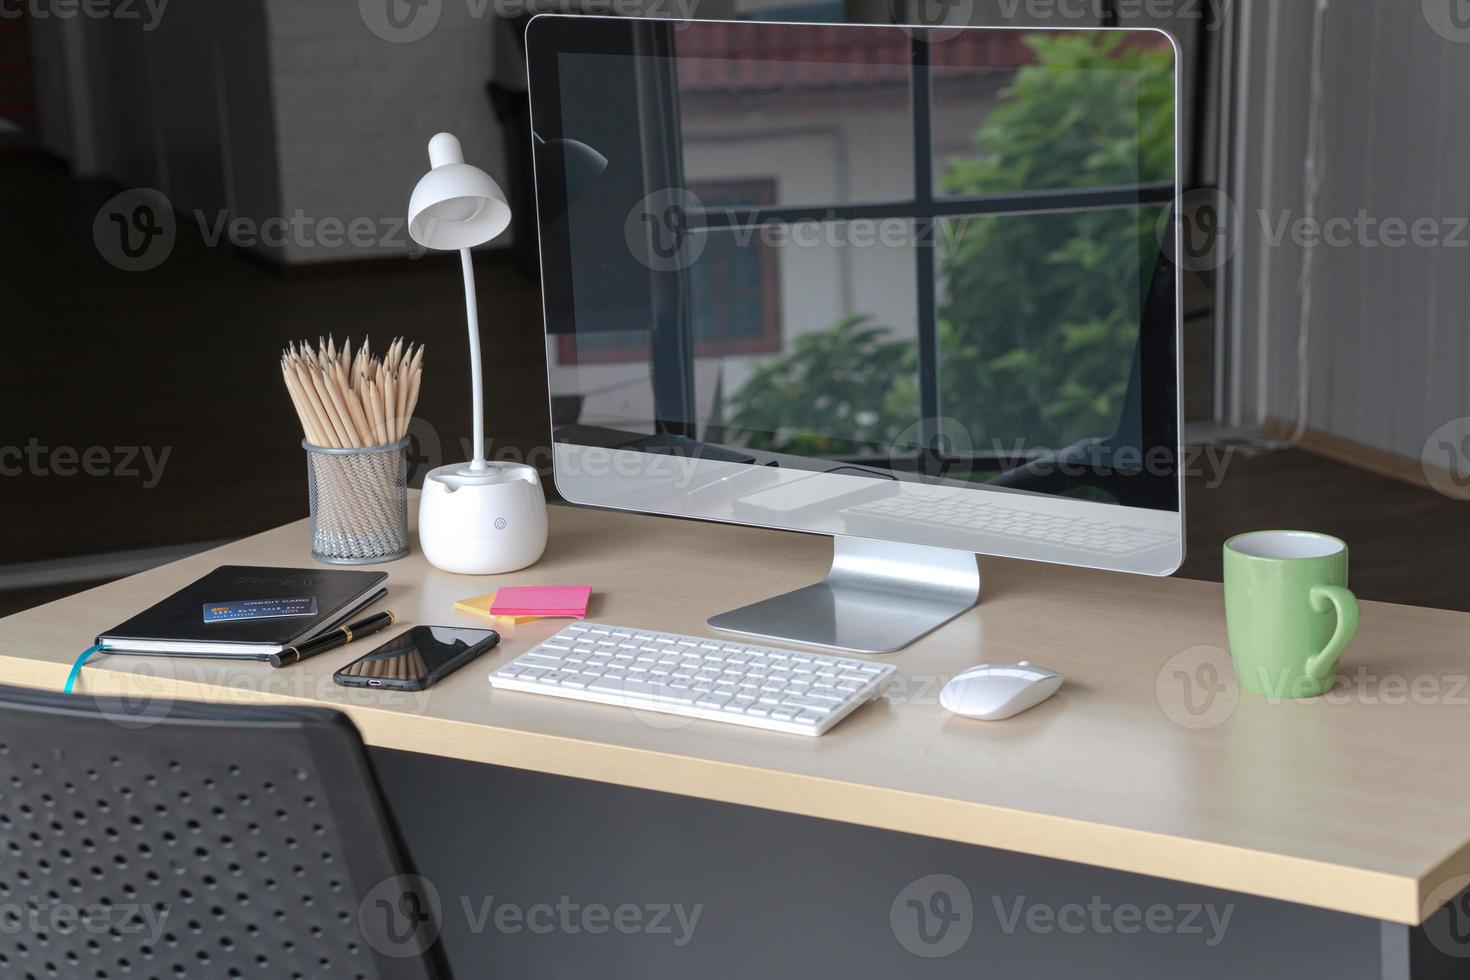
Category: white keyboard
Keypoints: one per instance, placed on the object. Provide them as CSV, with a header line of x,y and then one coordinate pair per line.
x,y
696,677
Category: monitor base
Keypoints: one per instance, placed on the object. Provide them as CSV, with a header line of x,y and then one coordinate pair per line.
x,y
878,597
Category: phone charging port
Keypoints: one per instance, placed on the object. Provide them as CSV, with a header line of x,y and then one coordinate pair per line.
x,y
375,683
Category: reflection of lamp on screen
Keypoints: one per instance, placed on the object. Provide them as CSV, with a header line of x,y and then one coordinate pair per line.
x,y
570,164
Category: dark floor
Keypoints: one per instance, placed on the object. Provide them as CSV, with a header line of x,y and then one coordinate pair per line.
x,y
128,375
1409,545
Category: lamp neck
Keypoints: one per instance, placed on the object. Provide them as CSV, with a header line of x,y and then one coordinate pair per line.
x,y
477,381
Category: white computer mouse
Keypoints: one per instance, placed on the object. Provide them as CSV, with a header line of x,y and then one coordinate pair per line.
x,y
992,692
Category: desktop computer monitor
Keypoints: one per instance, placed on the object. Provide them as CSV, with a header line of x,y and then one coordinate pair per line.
x,y
911,288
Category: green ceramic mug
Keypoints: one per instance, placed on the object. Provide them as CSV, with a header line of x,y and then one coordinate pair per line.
x,y
1288,610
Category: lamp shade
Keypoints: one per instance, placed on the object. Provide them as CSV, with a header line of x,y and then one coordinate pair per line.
x,y
455,205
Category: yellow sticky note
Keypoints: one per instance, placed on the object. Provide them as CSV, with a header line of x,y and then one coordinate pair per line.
x,y
480,606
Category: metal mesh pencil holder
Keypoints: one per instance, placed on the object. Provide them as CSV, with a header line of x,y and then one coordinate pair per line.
x,y
359,503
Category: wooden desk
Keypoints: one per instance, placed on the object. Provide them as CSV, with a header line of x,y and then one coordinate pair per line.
x,y
1358,802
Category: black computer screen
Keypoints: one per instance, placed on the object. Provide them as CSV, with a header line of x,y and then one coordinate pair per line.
x,y
864,249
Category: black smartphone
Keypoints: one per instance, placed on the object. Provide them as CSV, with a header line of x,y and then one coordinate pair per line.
x,y
417,658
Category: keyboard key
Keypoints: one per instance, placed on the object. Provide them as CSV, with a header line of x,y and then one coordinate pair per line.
x,y
632,688
799,701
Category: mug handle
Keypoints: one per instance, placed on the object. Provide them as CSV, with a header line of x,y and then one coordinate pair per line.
x,y
1321,666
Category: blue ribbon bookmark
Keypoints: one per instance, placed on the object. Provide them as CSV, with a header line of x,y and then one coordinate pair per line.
x,y
76,668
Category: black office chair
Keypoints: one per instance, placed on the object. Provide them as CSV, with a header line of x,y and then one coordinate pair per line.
x,y
220,843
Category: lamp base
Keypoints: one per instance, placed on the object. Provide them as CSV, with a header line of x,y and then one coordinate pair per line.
x,y
482,522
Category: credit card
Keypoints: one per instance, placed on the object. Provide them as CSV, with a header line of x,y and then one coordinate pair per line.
x,y
229,612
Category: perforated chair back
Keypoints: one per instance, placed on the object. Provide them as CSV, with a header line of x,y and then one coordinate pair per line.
x,y
219,843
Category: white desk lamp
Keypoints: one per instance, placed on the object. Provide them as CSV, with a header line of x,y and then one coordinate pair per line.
x,y
475,518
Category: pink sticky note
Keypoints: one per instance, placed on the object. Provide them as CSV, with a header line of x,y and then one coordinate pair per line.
x,y
542,600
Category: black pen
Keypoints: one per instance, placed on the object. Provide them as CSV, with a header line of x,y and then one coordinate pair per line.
x,y
332,639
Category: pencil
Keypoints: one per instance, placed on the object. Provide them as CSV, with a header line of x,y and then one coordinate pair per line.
x,y
400,403
390,402
413,396
301,413
309,418
375,393
340,404
346,397
314,399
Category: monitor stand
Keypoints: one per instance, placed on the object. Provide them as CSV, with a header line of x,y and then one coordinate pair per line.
x,y
878,597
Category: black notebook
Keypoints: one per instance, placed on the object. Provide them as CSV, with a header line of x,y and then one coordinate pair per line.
x,y
247,613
